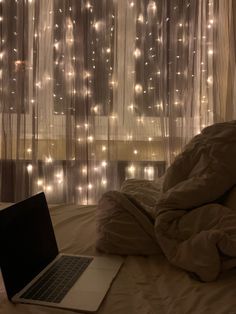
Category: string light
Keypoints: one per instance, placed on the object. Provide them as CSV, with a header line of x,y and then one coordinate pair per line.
x,y
104,182
137,53
210,52
104,164
99,25
84,171
90,186
49,188
131,170
138,88
88,5
48,159
39,182
140,18
210,80
144,106
149,173
29,168
90,138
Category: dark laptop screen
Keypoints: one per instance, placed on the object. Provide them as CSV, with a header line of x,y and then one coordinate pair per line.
x,y
27,242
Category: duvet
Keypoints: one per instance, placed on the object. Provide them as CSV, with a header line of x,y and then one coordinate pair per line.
x,y
184,215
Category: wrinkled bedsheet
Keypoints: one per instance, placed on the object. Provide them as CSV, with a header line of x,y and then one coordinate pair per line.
x,y
187,210
144,285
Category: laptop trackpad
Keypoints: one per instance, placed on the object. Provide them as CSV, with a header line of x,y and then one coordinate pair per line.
x,y
90,289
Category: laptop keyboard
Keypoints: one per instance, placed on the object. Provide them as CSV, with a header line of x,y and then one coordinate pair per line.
x,y
58,279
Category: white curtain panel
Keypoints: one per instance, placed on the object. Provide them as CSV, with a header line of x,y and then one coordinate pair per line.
x,y
95,92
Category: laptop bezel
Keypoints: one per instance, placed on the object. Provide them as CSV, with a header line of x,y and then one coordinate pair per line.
x,y
13,258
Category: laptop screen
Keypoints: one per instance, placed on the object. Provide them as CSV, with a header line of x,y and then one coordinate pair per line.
x,y
27,242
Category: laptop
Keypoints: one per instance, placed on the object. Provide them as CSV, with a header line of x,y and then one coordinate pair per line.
x,y
35,272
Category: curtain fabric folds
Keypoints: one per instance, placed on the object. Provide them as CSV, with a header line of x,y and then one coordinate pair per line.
x,y
95,92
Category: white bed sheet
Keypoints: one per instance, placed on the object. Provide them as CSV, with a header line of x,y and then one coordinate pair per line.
x,y
144,285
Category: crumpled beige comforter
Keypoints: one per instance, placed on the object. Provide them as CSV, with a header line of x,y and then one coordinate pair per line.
x,y
190,224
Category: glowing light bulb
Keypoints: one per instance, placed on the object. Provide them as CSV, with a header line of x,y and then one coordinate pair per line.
x,y
59,175
131,169
138,88
95,109
210,52
48,159
140,18
114,83
90,186
104,182
56,45
38,84
90,138
113,116
210,80
49,188
87,74
99,25
137,53
88,5
131,107
40,182
103,163
149,171
87,92
29,168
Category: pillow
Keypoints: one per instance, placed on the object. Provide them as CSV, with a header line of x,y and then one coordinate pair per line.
x,y
123,228
145,192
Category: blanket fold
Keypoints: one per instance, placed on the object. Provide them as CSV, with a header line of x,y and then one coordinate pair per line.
x,y
192,230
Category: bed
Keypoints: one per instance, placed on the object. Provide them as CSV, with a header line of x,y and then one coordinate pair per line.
x,y
150,284
144,285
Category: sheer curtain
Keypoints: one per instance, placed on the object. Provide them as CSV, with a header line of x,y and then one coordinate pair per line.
x,y
95,92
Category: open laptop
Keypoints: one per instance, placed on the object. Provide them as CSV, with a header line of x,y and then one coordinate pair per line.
x,y
35,272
